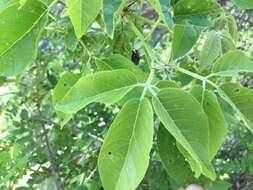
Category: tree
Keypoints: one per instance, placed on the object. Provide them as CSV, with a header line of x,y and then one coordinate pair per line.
x,y
170,103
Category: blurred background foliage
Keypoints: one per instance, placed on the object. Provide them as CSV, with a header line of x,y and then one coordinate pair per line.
x,y
30,134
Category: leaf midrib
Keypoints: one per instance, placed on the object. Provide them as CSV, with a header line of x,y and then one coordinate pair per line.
x,y
130,141
193,153
96,97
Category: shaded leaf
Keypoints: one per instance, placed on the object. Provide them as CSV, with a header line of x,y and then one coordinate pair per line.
x,y
220,185
196,12
232,63
190,129
227,42
111,12
211,49
118,61
166,84
243,4
232,27
174,162
217,122
61,89
184,38
163,9
242,98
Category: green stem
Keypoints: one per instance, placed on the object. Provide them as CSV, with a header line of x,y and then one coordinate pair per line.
x,y
146,46
148,83
150,22
52,4
220,92
148,36
149,54
182,70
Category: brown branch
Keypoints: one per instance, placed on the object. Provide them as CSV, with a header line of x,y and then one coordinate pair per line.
x,y
54,165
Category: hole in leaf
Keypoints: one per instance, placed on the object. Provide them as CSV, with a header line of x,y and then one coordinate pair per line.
x,y
65,84
109,153
237,90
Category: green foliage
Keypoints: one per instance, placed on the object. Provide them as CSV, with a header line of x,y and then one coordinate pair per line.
x,y
211,49
184,38
125,152
19,39
82,15
174,162
217,123
242,99
111,12
190,129
232,63
163,9
243,4
105,87
69,71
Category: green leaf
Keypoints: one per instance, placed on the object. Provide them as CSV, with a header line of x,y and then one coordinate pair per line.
x,y
166,84
111,12
118,61
232,27
190,129
82,14
211,49
20,30
174,162
22,2
105,87
242,98
243,4
61,89
227,42
184,38
232,63
163,9
217,122
219,185
70,39
196,12
124,156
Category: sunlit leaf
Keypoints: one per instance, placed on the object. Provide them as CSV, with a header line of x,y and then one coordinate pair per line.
x,y
83,13
105,87
20,29
124,156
